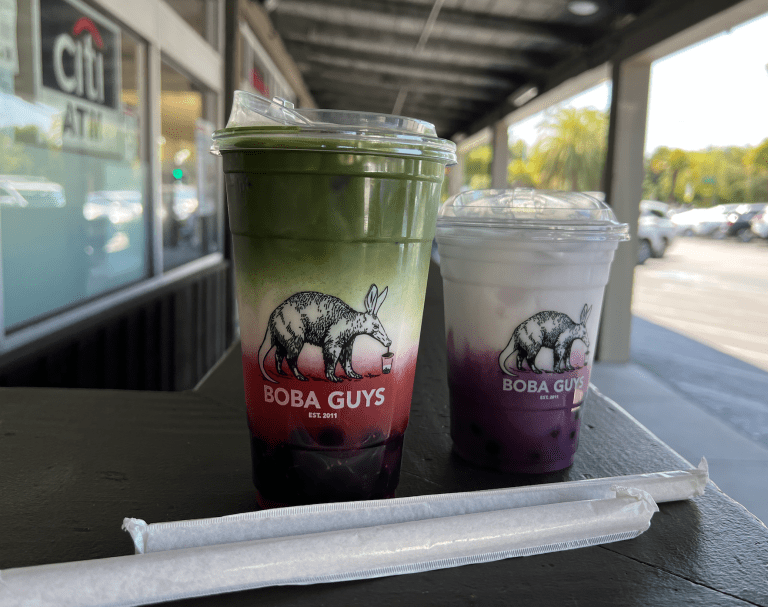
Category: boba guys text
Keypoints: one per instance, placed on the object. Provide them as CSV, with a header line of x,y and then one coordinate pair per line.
x,y
533,386
336,400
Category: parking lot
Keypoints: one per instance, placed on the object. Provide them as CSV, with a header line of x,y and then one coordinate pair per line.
x,y
713,291
698,375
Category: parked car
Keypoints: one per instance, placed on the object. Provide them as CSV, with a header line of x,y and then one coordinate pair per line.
x,y
703,222
686,221
10,197
31,192
655,230
119,206
737,223
759,224
714,220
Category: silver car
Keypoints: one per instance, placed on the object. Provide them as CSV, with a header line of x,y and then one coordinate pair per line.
x,y
655,230
759,223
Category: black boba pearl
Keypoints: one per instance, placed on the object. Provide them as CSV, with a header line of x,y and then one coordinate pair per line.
x,y
555,433
572,434
301,438
331,437
535,456
372,437
493,447
476,430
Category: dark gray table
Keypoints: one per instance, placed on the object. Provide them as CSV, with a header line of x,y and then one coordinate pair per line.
x,y
73,463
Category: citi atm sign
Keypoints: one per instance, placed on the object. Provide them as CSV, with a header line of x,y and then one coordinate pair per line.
x,y
84,55
79,66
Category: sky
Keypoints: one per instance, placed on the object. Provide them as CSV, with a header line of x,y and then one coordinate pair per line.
x,y
714,93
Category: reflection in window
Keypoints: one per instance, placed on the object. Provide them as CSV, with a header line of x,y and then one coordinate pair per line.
x,y
189,171
72,182
564,146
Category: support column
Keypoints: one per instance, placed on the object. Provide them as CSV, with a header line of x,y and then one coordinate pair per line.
x,y
623,179
500,162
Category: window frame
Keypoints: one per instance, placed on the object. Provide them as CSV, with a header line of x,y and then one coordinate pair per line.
x,y
212,113
162,33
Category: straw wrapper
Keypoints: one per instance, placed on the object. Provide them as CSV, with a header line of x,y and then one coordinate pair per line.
x,y
281,522
332,556
497,525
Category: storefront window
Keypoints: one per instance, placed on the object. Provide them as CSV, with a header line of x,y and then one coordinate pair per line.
x,y
190,197
259,73
73,173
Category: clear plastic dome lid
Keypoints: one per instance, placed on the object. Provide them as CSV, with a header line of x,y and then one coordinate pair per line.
x,y
258,123
581,215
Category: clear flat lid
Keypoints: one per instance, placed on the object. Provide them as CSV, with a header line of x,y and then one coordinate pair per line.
x,y
574,214
258,123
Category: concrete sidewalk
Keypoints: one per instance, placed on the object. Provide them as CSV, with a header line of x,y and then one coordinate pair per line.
x,y
670,387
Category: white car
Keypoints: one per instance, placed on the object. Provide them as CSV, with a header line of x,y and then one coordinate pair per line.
x,y
703,222
687,221
655,230
759,224
31,192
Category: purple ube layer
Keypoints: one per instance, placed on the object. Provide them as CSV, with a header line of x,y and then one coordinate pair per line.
x,y
509,430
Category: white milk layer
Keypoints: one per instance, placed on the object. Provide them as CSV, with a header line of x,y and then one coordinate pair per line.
x,y
491,285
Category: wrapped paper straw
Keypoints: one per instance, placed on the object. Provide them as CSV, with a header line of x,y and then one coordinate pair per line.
x,y
332,556
281,522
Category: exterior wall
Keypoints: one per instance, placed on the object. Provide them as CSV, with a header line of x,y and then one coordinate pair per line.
x,y
167,324
165,330
167,340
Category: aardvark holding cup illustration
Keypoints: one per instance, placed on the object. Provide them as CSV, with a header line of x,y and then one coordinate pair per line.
x,y
519,266
332,217
325,321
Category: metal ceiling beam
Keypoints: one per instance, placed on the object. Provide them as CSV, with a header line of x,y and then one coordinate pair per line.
x,y
442,121
384,104
320,80
448,105
426,32
427,73
405,18
370,43
309,53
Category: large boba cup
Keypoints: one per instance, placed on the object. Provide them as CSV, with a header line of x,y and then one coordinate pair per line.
x,y
524,273
332,216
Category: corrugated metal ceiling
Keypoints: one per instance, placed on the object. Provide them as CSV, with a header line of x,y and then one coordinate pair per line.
x,y
450,62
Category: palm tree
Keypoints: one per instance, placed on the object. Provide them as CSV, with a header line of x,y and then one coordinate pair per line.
x,y
761,159
477,167
748,163
572,153
678,161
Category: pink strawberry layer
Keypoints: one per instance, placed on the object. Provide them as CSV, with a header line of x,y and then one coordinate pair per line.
x,y
376,405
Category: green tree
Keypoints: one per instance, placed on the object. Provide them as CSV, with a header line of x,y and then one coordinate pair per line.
x,y
655,171
477,167
520,172
761,160
678,161
13,158
571,155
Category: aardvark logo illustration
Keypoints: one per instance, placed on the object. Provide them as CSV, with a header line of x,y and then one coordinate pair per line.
x,y
322,320
548,329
